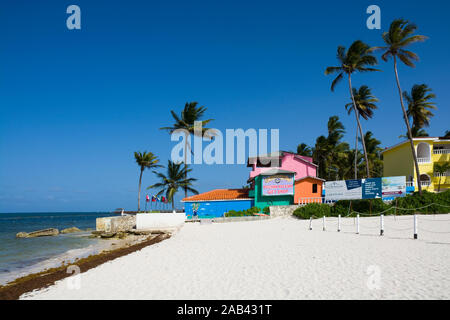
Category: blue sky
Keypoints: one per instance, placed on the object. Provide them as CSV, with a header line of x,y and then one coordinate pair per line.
x,y
76,104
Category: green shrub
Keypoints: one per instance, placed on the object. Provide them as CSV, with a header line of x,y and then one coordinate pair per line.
x,y
242,213
313,209
415,201
341,207
266,210
433,203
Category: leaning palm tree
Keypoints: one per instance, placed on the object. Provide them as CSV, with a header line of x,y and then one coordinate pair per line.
x,y
399,36
419,105
441,169
145,160
174,180
190,114
356,58
365,104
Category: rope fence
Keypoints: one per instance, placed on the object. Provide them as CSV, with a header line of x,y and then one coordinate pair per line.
x,y
331,221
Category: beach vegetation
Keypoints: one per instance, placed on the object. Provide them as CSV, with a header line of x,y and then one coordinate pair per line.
x,y
441,169
243,213
427,203
304,150
335,158
173,180
397,39
357,58
365,104
186,122
420,106
145,160
315,210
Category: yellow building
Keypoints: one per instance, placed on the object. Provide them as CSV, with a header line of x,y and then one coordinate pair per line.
x,y
398,161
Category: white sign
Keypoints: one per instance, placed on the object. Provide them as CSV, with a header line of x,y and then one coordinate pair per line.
x,y
343,190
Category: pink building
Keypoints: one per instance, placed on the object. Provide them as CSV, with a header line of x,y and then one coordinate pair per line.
x,y
301,165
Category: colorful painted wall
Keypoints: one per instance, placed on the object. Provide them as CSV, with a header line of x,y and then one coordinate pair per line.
x,y
301,165
305,188
214,209
266,201
398,161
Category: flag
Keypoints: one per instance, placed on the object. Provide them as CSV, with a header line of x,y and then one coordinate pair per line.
x,y
163,199
153,198
147,198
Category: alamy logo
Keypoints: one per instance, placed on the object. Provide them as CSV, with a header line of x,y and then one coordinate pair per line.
x,y
374,279
374,20
74,20
213,153
74,281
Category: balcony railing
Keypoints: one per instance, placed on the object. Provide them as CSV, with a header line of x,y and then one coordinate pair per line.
x,y
422,183
423,160
441,151
306,200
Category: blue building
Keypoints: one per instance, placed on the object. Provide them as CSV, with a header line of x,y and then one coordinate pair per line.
x,y
215,203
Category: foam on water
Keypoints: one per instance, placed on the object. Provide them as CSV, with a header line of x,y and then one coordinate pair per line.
x,y
19,257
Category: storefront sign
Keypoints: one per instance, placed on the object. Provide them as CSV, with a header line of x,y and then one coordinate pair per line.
x,y
277,185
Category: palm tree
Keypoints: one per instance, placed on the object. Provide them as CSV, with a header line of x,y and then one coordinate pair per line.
x,y
365,104
145,160
356,58
416,133
175,179
441,169
321,156
419,105
329,151
304,150
399,36
190,114
373,151
447,134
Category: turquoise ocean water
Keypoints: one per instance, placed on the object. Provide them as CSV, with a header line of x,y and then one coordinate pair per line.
x,y
20,256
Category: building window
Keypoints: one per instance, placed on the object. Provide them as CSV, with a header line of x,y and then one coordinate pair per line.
x,y
423,153
314,188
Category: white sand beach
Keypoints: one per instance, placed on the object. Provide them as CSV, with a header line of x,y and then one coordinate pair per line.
x,y
279,259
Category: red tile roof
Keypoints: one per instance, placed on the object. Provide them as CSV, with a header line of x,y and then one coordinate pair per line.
x,y
220,194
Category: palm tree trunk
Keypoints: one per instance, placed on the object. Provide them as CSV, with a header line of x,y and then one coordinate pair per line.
x,y
405,116
356,154
139,194
359,126
185,165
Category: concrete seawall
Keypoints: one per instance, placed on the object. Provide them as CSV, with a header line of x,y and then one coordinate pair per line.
x,y
116,224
